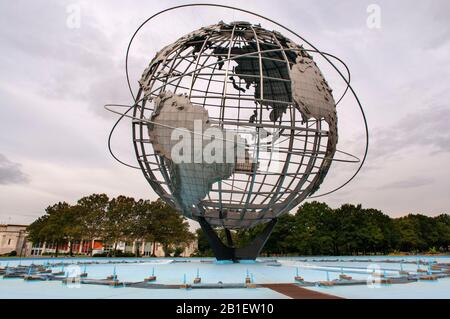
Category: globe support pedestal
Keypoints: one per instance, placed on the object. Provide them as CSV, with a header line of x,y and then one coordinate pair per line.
x,y
224,252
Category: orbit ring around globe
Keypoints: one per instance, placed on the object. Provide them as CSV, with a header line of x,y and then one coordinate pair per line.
x,y
264,93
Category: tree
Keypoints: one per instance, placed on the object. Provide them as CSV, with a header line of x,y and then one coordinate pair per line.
x,y
315,230
91,212
71,227
53,226
443,231
118,220
170,228
409,233
144,225
279,242
383,235
35,229
203,248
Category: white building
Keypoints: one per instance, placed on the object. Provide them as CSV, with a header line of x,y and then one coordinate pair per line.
x,y
144,249
147,248
13,238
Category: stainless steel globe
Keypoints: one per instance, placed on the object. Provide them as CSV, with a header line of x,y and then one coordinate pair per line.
x,y
258,84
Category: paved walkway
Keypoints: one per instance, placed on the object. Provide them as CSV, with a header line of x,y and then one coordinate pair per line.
x,y
297,292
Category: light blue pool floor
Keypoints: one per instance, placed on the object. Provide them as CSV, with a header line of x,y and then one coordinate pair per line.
x,y
174,273
20,289
416,290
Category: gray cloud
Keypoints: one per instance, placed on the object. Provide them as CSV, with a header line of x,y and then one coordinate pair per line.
x,y
69,64
55,81
10,172
413,182
427,129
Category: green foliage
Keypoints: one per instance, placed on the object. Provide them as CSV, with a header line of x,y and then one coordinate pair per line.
x,y
173,229
178,251
119,219
203,248
316,229
92,215
58,225
117,254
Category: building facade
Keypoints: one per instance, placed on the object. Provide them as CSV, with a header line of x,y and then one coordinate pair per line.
x,y
142,248
13,238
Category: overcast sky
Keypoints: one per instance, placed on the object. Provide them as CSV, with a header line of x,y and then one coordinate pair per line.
x,y
56,76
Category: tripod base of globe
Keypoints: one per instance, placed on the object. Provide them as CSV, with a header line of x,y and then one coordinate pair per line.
x,y
223,252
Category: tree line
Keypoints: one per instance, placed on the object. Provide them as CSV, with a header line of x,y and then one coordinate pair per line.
x,y
317,229
97,217
314,229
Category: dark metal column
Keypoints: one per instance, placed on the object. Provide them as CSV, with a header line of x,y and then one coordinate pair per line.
x,y
223,252
229,238
251,251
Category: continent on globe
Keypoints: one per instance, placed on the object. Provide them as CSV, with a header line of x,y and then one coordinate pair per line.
x,y
196,153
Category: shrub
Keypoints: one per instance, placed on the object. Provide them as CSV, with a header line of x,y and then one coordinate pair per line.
x,y
118,254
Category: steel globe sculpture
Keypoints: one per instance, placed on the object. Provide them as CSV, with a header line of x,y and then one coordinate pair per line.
x,y
234,125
